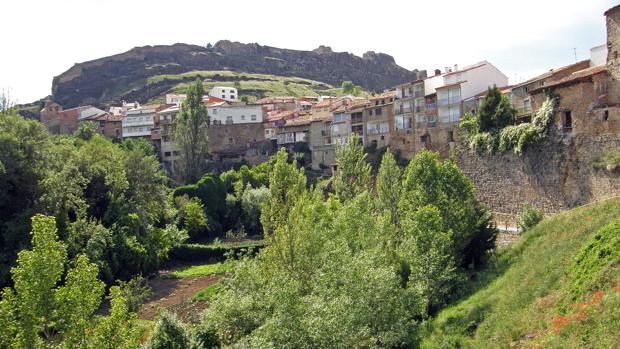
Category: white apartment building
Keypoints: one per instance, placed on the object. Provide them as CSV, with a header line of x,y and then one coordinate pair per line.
x,y
222,113
175,98
465,83
139,122
169,151
226,93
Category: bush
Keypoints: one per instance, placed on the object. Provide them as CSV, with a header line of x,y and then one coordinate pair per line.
x,y
529,217
135,292
169,333
197,252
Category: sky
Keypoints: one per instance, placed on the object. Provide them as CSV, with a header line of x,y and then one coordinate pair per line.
x,y
44,38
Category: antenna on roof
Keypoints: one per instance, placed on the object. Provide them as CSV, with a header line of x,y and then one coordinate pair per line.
x,y
575,52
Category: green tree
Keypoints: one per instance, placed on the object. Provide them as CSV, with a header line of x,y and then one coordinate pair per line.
x,y
86,130
353,172
428,252
117,330
36,311
191,133
347,87
193,218
388,186
287,183
530,216
169,333
252,200
496,111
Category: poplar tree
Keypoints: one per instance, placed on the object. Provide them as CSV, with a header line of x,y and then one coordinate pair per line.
x,y
388,186
191,133
353,172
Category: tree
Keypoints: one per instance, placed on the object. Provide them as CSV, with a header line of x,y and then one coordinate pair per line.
x,y
495,111
86,130
191,133
429,181
169,333
237,85
36,311
353,172
427,249
193,218
287,183
388,186
347,87
252,201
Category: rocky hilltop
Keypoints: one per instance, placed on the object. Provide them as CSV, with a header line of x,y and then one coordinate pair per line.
x,y
109,79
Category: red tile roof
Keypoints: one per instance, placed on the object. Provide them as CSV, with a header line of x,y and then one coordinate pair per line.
x,y
581,75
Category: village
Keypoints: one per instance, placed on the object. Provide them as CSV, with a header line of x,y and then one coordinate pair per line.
x,y
420,114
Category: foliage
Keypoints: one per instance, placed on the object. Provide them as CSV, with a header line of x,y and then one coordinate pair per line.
x,y
192,216
37,312
495,111
191,133
135,292
110,201
215,252
353,172
169,333
492,128
86,130
252,201
388,186
530,216
211,192
348,88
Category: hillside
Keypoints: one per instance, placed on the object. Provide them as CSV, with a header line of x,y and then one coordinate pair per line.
x,y
252,85
557,288
110,79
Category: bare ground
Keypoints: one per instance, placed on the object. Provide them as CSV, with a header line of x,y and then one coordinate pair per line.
x,y
175,295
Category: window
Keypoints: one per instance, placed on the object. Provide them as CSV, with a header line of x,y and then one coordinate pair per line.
x,y
606,115
377,111
229,120
450,136
370,112
167,153
214,111
253,118
175,153
567,121
117,132
230,140
402,122
223,96
242,117
341,117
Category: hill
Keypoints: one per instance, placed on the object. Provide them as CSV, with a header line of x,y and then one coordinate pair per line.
x,y
557,288
110,79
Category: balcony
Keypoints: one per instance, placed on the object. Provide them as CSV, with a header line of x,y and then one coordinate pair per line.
x,y
402,110
449,101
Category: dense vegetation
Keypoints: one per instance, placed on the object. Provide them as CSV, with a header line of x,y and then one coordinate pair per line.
x,y
110,200
493,130
350,270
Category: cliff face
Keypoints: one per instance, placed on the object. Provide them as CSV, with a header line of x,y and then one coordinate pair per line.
x,y
107,79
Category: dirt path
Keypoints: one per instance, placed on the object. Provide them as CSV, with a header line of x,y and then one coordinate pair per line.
x,y
175,295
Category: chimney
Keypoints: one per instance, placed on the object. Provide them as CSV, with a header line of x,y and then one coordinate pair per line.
x,y
456,67
447,70
437,72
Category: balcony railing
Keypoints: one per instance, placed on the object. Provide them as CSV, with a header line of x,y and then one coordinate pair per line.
x,y
402,110
449,101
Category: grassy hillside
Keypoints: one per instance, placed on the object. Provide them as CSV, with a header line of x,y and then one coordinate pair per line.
x,y
252,85
557,288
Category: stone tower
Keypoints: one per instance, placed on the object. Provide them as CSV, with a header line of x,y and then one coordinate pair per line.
x,y
613,53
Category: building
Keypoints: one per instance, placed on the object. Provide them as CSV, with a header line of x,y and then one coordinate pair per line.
x,y
116,110
108,125
175,98
278,103
459,85
226,93
66,121
520,93
379,120
169,152
348,119
138,122
236,113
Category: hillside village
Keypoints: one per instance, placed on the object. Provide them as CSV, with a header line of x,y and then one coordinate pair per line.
x,y
407,118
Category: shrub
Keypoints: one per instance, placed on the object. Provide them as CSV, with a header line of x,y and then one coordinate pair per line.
x,y
169,333
529,217
135,292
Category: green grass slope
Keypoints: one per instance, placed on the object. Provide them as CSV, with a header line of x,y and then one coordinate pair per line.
x,y
252,85
556,288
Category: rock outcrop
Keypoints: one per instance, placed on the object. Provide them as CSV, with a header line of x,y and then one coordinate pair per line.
x,y
107,80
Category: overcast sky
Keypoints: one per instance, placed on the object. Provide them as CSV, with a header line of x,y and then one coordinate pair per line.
x,y
42,39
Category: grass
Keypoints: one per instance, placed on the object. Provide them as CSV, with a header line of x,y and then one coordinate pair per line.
x,y
611,160
207,293
519,302
198,271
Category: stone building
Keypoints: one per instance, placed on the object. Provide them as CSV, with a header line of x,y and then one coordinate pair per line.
x,y
379,120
